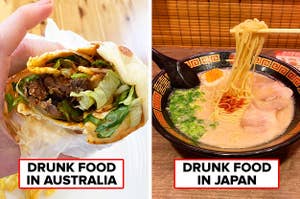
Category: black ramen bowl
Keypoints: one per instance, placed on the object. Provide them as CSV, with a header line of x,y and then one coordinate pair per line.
x,y
271,67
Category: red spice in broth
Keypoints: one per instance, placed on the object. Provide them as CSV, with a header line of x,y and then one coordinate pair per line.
x,y
231,103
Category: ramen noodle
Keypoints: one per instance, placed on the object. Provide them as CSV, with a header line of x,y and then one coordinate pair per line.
x,y
249,44
237,107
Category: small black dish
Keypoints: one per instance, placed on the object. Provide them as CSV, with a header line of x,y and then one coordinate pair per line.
x,y
161,89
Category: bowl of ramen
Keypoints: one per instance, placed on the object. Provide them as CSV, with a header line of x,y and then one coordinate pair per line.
x,y
227,117
246,104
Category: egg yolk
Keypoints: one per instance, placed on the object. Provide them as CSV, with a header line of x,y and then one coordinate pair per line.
x,y
213,75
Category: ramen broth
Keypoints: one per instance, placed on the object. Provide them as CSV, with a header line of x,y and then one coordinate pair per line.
x,y
266,115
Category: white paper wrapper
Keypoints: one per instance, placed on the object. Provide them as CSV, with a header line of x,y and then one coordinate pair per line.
x,y
52,143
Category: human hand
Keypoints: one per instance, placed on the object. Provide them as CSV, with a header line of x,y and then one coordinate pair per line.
x,y
14,52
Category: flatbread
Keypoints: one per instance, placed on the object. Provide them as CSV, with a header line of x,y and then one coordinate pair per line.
x,y
130,69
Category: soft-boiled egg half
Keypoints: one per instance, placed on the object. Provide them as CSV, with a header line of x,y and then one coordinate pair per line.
x,y
212,77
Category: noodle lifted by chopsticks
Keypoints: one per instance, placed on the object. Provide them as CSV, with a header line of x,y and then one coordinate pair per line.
x,y
249,44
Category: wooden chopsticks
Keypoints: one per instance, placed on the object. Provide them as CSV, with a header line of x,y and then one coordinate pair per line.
x,y
275,30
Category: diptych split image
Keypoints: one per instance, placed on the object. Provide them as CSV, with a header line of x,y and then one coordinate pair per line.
x,y
149,99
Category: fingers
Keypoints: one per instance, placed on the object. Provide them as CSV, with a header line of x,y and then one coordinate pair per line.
x,y
9,153
14,28
9,160
29,48
12,31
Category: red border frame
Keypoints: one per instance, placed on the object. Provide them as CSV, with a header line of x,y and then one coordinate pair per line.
x,y
211,159
74,159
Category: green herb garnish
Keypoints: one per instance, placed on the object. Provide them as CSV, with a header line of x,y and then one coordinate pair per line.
x,y
69,112
93,119
182,110
11,102
67,63
57,64
79,75
64,63
72,58
20,85
100,63
30,78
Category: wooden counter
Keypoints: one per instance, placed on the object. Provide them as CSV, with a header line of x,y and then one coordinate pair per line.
x,y
163,154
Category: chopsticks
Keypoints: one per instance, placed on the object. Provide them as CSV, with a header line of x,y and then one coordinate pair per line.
x,y
276,30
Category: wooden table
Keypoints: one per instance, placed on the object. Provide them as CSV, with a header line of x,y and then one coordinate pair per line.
x,y
163,154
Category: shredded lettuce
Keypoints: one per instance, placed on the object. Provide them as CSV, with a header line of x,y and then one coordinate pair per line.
x,y
100,63
121,97
107,126
112,121
135,112
121,89
101,94
129,97
126,105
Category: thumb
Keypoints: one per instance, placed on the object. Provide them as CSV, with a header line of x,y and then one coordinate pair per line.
x,y
14,28
12,31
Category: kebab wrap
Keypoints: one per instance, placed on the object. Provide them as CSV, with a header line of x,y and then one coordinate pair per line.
x,y
100,91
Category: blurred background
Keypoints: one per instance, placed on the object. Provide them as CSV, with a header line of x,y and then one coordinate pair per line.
x,y
116,20
207,22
